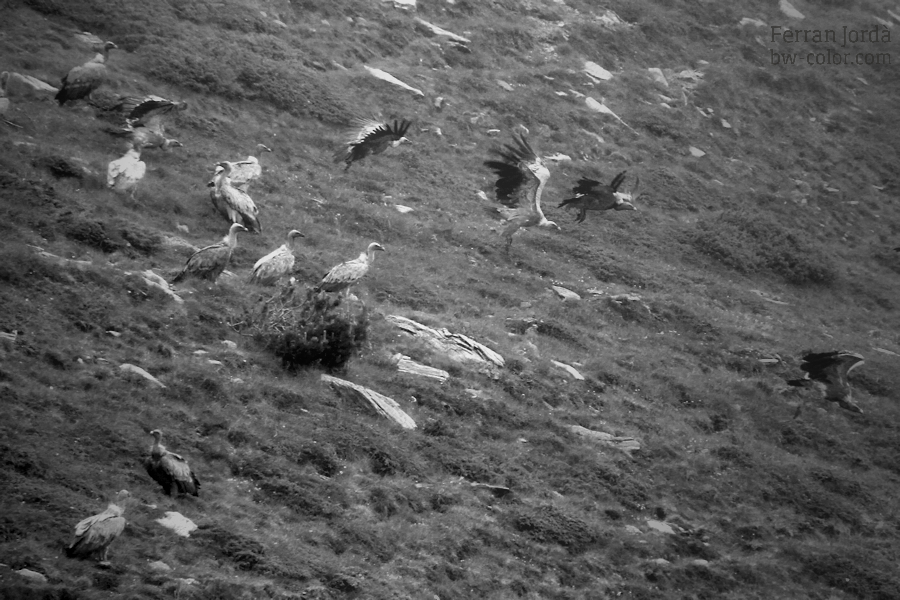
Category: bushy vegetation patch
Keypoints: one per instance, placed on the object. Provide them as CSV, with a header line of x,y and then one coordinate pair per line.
x,y
316,329
549,524
756,242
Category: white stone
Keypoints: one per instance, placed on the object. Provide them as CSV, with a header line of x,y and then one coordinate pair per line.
x,y
596,71
385,76
506,86
33,576
564,293
159,566
697,152
656,75
402,209
178,523
568,369
26,86
438,31
130,368
788,9
229,344
660,526
753,22
632,530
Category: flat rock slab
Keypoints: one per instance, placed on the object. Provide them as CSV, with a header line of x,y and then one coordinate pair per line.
x,y
626,444
455,346
407,365
660,526
178,523
564,293
136,370
386,407
385,76
568,369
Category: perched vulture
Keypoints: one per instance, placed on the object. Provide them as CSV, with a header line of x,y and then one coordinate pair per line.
x,y
170,470
243,172
208,263
84,79
371,137
829,370
233,204
278,263
341,277
521,177
592,195
123,174
94,534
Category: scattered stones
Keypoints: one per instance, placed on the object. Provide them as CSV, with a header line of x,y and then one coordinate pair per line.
x,y
135,370
32,576
385,76
565,294
386,407
789,11
178,523
407,365
568,369
660,526
626,444
596,71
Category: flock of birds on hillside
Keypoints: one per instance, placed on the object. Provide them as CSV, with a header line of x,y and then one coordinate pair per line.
x,y
521,178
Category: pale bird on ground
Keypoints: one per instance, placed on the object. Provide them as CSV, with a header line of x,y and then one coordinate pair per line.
x,y
232,203
830,370
82,80
590,194
278,263
124,173
170,470
371,137
344,275
94,534
209,262
521,177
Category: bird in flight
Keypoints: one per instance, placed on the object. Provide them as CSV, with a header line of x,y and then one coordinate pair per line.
x,y
372,137
829,371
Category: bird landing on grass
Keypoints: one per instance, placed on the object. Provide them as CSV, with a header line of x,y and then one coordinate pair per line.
x,y
372,137
521,177
590,194
829,371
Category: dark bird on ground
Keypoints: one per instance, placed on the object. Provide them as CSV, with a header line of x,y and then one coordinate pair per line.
x,y
84,79
829,370
521,177
94,534
232,203
209,262
244,172
344,275
278,263
590,194
372,137
170,470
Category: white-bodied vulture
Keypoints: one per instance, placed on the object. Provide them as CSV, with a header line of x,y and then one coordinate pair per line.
x,y
371,137
84,79
590,194
94,534
829,370
209,262
232,203
344,275
170,470
276,264
123,174
521,177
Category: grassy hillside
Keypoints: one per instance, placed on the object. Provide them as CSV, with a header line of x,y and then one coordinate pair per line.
x,y
778,241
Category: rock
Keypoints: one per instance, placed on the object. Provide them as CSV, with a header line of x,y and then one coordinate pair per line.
x,y
404,4
564,293
752,22
596,71
81,265
699,562
438,103
696,152
385,76
884,351
215,363
26,86
182,228
660,526
661,562
568,369
32,576
559,157
133,369
159,566
200,352
602,108
656,75
402,209
626,444
789,11
455,346
438,31
407,365
154,280
632,530
178,523
506,86
4,106
726,124
386,407
230,344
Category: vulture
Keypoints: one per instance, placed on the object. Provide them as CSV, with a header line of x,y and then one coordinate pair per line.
x,y
829,370
94,534
123,174
232,203
84,79
208,263
521,177
170,470
243,172
144,118
341,277
278,263
371,137
590,194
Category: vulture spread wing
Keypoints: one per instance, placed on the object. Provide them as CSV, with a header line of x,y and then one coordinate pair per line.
x,y
372,137
831,370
